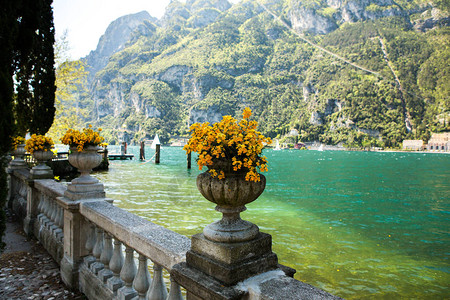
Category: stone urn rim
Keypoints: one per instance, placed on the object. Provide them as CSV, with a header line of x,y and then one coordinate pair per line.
x,y
74,148
231,191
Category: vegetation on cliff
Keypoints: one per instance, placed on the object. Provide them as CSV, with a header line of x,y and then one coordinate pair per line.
x,y
376,76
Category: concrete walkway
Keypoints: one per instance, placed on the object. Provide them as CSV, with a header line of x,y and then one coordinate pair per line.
x,y
27,271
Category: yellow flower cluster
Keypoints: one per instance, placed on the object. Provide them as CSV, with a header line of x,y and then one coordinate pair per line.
x,y
17,141
83,139
38,142
229,140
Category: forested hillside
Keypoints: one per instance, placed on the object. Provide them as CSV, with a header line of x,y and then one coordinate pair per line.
x,y
339,71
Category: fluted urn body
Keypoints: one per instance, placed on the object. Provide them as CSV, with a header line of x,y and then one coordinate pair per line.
x,y
18,154
85,161
41,170
231,194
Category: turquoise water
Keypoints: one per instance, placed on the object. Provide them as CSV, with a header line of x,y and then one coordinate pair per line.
x,y
356,224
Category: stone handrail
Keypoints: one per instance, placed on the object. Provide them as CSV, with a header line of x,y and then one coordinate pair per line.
x,y
88,236
161,245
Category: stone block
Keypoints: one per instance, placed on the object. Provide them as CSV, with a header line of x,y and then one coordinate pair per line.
x,y
126,293
232,253
230,274
104,275
96,267
89,260
91,286
84,191
114,283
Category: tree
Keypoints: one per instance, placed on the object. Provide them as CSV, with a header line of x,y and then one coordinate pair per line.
x,y
8,27
70,82
34,106
26,47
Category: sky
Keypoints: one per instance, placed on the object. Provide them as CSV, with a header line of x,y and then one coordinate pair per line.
x,y
86,20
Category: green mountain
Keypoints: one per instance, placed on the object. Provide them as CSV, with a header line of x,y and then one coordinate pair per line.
x,y
339,71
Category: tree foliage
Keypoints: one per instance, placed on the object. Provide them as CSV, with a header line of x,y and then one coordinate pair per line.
x,y
71,86
26,47
34,104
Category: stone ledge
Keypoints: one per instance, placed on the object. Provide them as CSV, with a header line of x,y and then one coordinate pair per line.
x,y
203,286
23,174
286,288
50,187
161,245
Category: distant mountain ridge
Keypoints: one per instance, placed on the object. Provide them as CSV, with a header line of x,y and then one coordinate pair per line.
x,y
114,39
204,59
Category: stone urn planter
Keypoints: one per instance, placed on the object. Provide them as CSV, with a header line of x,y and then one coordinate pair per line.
x,y
231,194
41,169
18,154
85,161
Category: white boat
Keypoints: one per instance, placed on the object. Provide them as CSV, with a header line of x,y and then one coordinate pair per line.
x,y
155,142
320,147
277,147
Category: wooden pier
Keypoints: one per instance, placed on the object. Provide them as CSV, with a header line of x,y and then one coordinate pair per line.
x,y
120,156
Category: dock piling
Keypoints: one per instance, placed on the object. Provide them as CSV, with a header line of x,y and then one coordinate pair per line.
x,y
157,154
142,151
189,160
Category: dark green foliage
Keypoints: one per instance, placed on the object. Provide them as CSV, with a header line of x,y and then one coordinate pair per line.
x,y
8,30
26,47
34,109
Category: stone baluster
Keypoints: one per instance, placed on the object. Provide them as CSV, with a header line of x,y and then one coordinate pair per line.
x,y
158,290
54,211
47,207
89,245
54,226
175,291
40,204
60,217
127,275
41,207
116,263
45,210
97,251
51,206
59,222
105,258
141,282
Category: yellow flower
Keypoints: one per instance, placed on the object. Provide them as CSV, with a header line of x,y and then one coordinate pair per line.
x,y
247,113
80,140
38,142
229,140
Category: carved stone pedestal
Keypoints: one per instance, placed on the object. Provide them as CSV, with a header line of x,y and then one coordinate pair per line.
x,y
232,262
213,268
84,191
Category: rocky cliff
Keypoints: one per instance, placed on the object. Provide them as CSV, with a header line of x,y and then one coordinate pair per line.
x,y
114,39
331,82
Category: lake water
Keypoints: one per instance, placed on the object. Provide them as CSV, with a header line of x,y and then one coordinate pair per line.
x,y
356,224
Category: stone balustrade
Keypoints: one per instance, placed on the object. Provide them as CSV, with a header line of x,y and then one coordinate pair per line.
x,y
105,251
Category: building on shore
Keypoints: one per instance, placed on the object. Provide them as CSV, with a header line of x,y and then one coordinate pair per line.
x,y
439,142
414,145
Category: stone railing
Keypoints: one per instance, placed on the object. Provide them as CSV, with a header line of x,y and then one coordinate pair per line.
x,y
104,251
